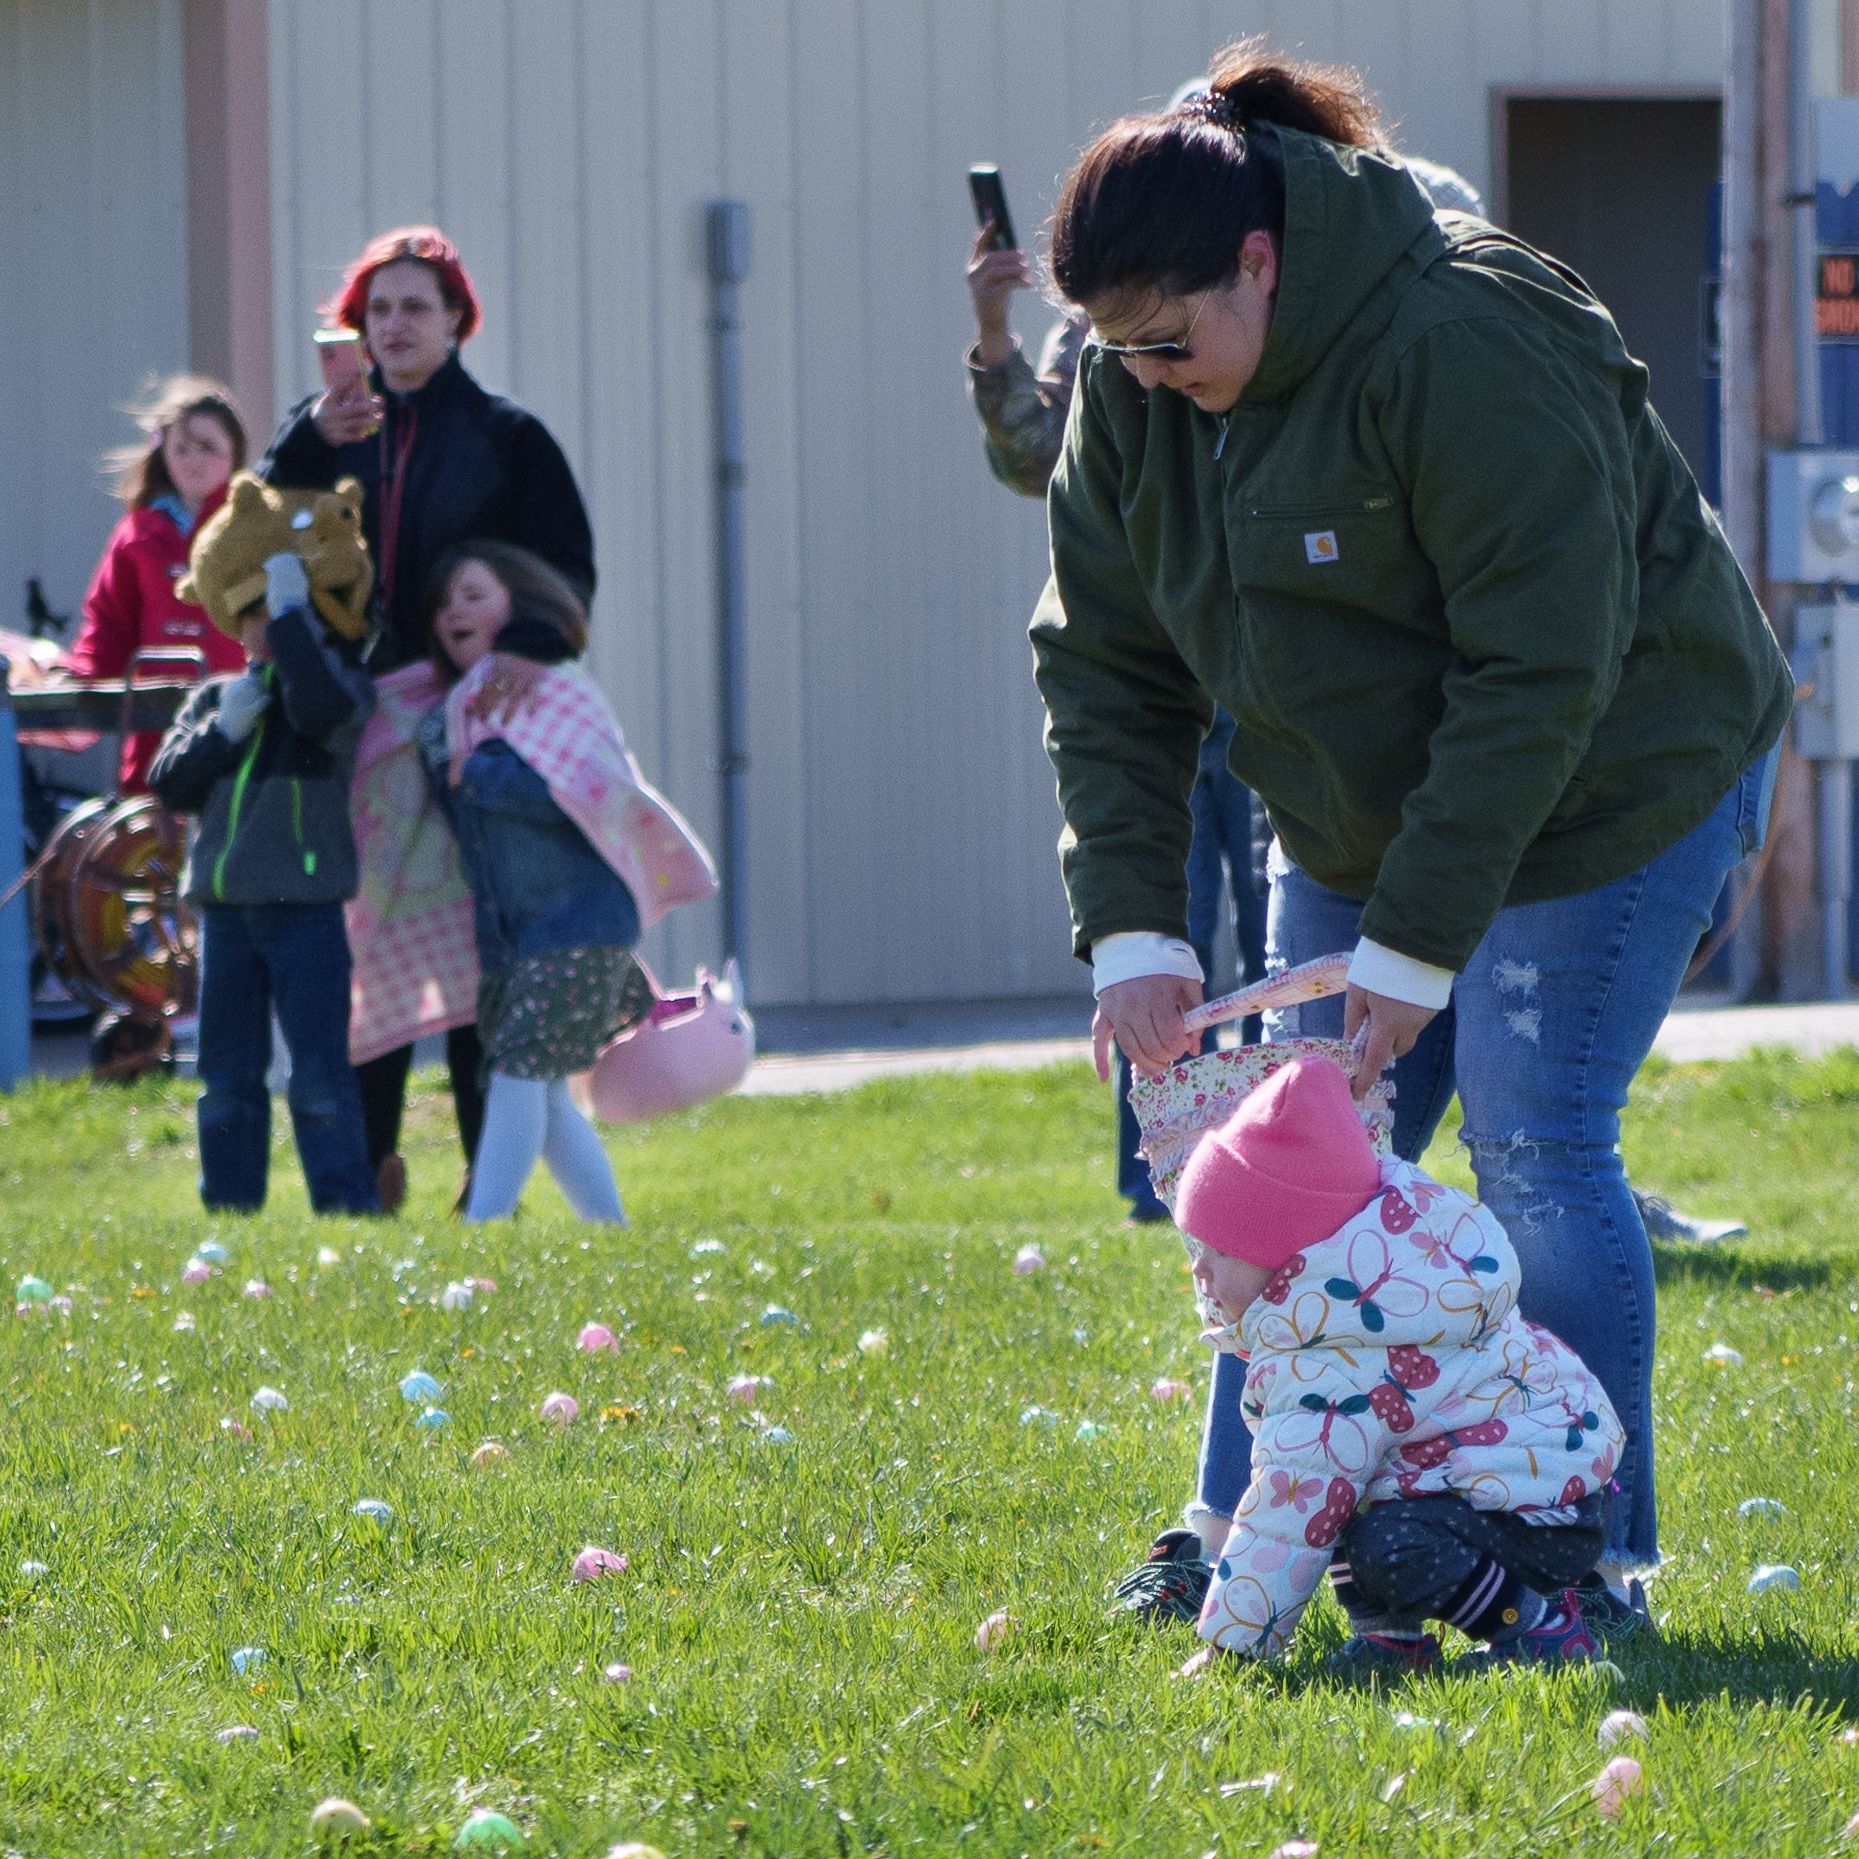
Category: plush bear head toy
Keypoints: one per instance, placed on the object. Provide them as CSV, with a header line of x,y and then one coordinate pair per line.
x,y
226,566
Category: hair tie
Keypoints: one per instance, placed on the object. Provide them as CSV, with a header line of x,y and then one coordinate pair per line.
x,y
1209,106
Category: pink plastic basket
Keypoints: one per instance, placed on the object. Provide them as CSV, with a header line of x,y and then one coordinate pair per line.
x,y
1197,1095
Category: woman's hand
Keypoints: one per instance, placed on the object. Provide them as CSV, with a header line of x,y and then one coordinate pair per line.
x,y
509,689
1393,1026
993,277
1144,1017
349,414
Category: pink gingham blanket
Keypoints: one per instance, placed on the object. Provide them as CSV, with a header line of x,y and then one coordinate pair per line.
x,y
571,738
411,937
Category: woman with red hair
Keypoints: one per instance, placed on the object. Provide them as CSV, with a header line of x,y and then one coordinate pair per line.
x,y
441,462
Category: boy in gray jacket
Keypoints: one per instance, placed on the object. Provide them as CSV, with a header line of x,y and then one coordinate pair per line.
x,y
264,759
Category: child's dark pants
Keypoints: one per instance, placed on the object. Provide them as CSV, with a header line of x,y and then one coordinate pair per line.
x,y
1410,1559
294,957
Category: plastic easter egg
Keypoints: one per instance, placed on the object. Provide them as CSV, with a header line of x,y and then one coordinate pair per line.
x,y
456,1296
745,1388
616,1674
483,1286
269,1401
375,1510
1616,1784
256,1288
1773,1576
32,1290
486,1455
1850,1831
596,1338
335,1818
33,1571
234,1429
248,1659
873,1343
327,1257
779,1315
777,1436
196,1272
1762,1507
1721,1355
61,1304
1168,1389
634,1849
1295,1849
487,1831
1038,1416
183,1322
417,1387
432,1419
594,1562
212,1251
1089,1429
236,1733
705,1248
995,1631
1028,1259
559,1409
1618,1726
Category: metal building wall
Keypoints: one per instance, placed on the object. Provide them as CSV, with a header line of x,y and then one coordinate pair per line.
x,y
93,266
902,820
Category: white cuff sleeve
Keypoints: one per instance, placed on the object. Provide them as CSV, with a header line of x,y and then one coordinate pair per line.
x,y
1131,954
1382,970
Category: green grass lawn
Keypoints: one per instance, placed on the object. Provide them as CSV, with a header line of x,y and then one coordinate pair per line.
x,y
799,1615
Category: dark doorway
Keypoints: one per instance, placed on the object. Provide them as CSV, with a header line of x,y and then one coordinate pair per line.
x,y
1619,187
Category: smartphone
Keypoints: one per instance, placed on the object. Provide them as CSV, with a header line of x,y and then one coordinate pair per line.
x,y
343,360
984,183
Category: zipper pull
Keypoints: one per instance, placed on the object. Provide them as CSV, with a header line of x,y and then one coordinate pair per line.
x,y
1220,443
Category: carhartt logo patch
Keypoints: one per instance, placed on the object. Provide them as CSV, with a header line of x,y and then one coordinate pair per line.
x,y
1320,546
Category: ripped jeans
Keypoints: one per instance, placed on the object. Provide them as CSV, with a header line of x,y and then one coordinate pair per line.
x,y
1547,1026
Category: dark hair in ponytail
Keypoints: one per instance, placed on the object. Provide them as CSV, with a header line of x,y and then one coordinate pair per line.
x,y
1165,201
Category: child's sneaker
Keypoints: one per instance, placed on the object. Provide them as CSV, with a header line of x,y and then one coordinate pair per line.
x,y
1170,1584
1561,1637
1369,1656
1612,1618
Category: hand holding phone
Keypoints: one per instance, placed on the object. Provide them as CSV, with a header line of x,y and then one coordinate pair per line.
x,y
990,198
347,410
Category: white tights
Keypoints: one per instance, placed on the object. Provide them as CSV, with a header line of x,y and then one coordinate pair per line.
x,y
529,1117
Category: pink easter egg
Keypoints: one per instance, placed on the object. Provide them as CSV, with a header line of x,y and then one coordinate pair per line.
x,y
1295,1849
1617,1726
483,1286
996,1630
1616,1784
61,1304
235,1429
1168,1389
196,1272
595,1337
744,1388
256,1287
593,1562
1851,1830
235,1733
1028,1259
560,1409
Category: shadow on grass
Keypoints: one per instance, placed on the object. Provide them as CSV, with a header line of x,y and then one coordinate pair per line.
x,y
1725,1267
1773,1668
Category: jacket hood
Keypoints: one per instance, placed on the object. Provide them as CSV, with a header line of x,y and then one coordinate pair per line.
x,y
1352,219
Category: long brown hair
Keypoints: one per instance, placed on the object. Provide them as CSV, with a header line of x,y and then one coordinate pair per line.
x,y
537,592
1164,201
140,472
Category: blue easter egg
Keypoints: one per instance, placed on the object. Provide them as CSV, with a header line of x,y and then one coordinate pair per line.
x,y
779,1314
433,1418
374,1510
248,1658
417,1388
212,1251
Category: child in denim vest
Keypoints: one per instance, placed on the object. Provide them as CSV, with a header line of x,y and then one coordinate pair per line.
x,y
265,760
1442,1458
562,844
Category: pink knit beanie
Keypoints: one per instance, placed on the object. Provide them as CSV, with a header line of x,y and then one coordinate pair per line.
x,y
1291,1165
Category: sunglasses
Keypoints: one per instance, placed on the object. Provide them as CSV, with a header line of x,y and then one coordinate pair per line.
x,y
1157,351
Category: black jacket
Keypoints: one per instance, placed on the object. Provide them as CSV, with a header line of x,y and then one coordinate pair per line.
x,y
274,808
480,467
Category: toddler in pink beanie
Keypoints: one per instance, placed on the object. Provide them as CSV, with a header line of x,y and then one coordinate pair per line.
x,y
1444,1459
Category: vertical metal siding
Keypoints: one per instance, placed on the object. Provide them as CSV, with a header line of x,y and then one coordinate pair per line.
x,y
93,288
902,820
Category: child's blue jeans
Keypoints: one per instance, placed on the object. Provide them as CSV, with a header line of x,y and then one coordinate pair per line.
x,y
1548,1024
294,957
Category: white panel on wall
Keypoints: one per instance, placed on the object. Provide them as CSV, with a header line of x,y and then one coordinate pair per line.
x,y
93,290
901,813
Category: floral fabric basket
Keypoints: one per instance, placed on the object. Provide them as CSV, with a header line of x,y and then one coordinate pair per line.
x,y
1197,1095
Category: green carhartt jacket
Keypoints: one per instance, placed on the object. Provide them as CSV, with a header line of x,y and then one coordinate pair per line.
x,y
1483,637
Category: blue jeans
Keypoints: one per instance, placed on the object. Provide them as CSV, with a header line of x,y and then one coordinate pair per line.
x,y
1547,1026
294,957
1219,859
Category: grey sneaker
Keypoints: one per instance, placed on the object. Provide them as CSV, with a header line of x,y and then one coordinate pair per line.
x,y
1169,1584
1610,1618
1664,1221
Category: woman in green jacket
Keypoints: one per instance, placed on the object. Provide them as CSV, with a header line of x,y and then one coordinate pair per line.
x,y
1387,486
